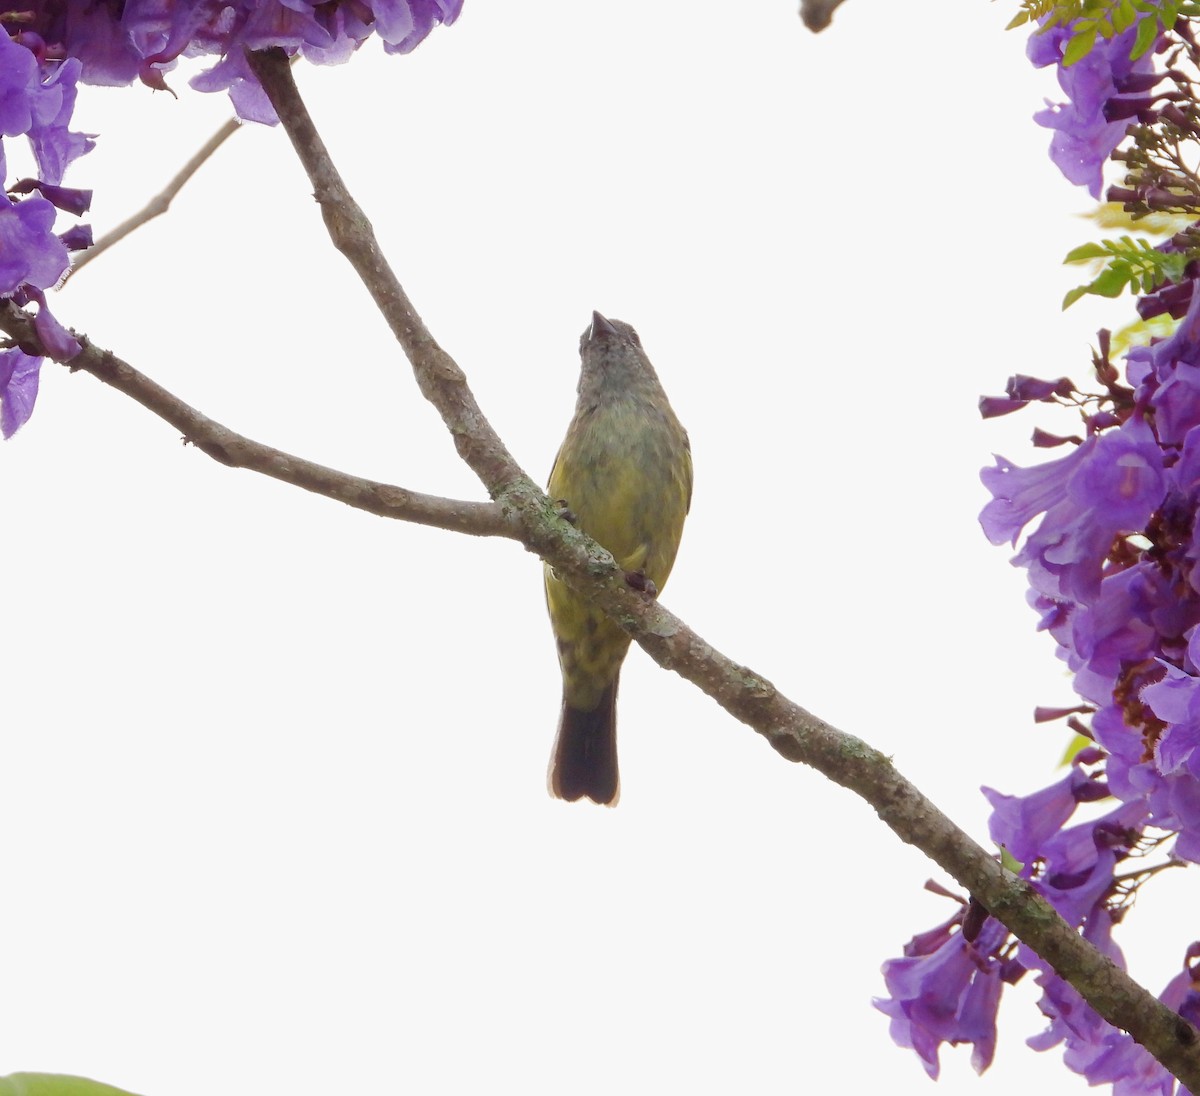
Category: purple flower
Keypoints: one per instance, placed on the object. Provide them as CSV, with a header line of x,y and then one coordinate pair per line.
x,y
1174,802
1167,374
37,97
1093,1047
1075,869
1024,824
69,199
404,25
1112,562
18,389
95,34
947,990
1112,550
1111,484
1182,993
18,88
1175,700
1084,137
30,252
143,39
55,146
60,344
1100,640
1023,390
36,101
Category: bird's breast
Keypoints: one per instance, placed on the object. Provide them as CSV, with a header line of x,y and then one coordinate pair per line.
x,y
625,472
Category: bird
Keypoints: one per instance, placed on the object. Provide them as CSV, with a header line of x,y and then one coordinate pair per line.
x,y
623,475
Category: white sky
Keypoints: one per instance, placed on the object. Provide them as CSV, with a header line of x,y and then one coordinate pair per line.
x,y
274,807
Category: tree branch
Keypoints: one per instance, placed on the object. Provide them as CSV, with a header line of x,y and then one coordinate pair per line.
x,y
483,519
440,379
157,205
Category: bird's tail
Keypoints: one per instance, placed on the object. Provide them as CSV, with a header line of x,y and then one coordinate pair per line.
x,y
584,762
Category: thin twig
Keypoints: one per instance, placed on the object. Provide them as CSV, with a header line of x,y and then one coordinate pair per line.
x,y
796,734
158,205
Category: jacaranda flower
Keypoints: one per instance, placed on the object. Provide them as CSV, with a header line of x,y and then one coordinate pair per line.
x,y
1084,134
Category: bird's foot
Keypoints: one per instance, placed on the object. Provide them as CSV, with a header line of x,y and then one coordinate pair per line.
x,y
637,580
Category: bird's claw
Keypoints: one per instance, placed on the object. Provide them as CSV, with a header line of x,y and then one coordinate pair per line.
x,y
637,580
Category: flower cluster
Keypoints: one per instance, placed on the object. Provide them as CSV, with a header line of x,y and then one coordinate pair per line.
x,y
1112,552
36,101
49,47
946,989
118,43
1102,89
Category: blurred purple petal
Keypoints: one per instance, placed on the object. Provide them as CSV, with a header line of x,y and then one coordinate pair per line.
x,y
30,252
18,389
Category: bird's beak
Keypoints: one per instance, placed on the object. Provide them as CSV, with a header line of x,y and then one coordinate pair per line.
x,y
601,326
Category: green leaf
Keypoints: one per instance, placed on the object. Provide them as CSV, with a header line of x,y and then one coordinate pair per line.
x,y
1141,333
55,1084
1080,45
1147,35
1077,743
1110,282
1073,296
1009,862
1085,252
1127,263
1123,17
1174,266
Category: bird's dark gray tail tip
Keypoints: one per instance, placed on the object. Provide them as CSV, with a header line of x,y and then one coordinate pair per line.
x,y
584,764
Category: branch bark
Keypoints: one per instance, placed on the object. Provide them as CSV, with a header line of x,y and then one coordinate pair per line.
x,y
440,379
482,519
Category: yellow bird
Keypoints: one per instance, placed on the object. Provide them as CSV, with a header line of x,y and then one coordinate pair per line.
x,y
624,476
